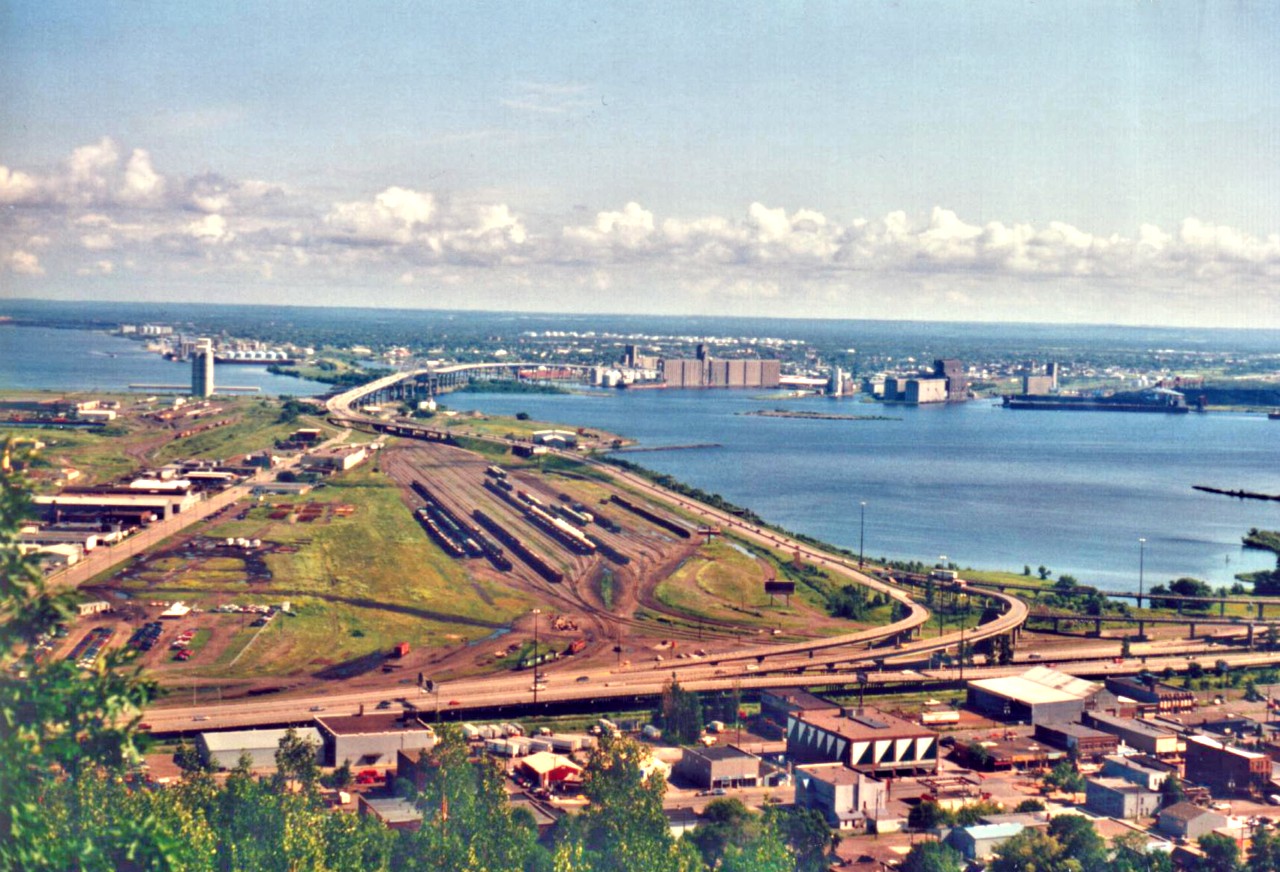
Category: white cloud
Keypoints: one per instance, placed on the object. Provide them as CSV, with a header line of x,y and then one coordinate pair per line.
x,y
392,217
210,228
24,263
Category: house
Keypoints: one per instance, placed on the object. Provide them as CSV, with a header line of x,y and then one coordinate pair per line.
x,y
1185,820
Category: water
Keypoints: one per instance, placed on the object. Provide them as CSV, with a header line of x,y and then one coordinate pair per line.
x,y
987,487
44,358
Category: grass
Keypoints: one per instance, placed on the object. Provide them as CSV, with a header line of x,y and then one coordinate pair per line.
x,y
98,456
257,426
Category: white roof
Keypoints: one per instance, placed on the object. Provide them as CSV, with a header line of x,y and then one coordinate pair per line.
x,y
1040,684
177,610
544,761
250,740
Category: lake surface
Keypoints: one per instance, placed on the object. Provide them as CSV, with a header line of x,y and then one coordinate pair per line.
x,y
986,486
45,358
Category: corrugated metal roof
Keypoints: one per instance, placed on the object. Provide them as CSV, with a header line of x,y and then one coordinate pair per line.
x,y
246,740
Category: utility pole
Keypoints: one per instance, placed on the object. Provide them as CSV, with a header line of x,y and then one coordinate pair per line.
x,y
536,612
1142,559
862,529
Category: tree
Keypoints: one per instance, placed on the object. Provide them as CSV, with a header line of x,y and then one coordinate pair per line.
x,y
1264,853
977,754
1031,851
680,713
1029,805
1171,791
1043,572
806,833
1220,854
296,760
724,822
932,857
1080,841
928,814
1065,778
1026,570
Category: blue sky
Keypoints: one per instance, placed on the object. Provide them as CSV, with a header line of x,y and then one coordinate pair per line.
x,y
1079,161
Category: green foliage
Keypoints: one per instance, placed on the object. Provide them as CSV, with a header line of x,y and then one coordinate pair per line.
x,y
680,714
1065,777
1080,841
806,834
1029,805
1220,854
1171,791
849,602
1264,853
932,857
1131,855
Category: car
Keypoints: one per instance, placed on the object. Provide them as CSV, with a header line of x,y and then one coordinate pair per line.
x,y
718,791
454,702
536,687
317,708
385,704
146,726
200,718
582,679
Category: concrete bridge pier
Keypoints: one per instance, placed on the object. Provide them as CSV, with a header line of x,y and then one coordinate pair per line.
x,y
1260,606
1249,637
1097,626
1192,625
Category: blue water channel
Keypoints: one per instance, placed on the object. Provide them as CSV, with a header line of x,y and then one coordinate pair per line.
x,y
985,486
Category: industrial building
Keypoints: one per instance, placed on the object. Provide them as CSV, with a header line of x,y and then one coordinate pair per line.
x,y
846,798
202,369
126,505
1038,696
865,739
705,372
777,704
1118,798
1138,735
551,771
394,812
372,740
225,749
719,766
1226,769
952,371
1152,696
338,459
1083,743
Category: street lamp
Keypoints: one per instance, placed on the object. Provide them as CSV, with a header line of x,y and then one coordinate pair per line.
x,y
1142,559
862,529
536,612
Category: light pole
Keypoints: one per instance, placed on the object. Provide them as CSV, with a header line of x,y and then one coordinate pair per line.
x,y
862,530
1142,559
536,612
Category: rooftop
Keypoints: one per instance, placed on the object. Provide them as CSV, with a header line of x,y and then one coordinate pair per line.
x,y
870,724
1185,811
244,740
1079,731
355,725
800,700
393,810
718,752
1131,724
993,831
833,773
1038,685
1118,785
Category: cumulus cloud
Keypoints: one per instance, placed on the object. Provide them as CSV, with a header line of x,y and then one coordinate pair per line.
x,y
24,263
104,197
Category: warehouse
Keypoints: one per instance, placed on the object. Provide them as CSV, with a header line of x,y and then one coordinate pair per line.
x,y
372,740
1038,696
719,766
223,750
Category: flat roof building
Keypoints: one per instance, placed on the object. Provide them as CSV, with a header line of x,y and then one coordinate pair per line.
x,y
1226,769
1136,734
845,797
224,749
867,739
1083,743
979,842
1185,820
395,813
372,740
719,766
1118,798
1039,696
1153,695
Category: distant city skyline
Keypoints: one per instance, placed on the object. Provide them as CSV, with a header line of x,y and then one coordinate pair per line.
x,y
1096,162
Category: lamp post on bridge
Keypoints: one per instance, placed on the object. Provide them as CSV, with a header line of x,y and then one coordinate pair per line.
x,y
536,612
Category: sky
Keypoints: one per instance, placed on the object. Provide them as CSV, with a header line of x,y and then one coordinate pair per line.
x,y
1092,162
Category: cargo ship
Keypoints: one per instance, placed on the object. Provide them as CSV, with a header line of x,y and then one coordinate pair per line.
x,y
1161,400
